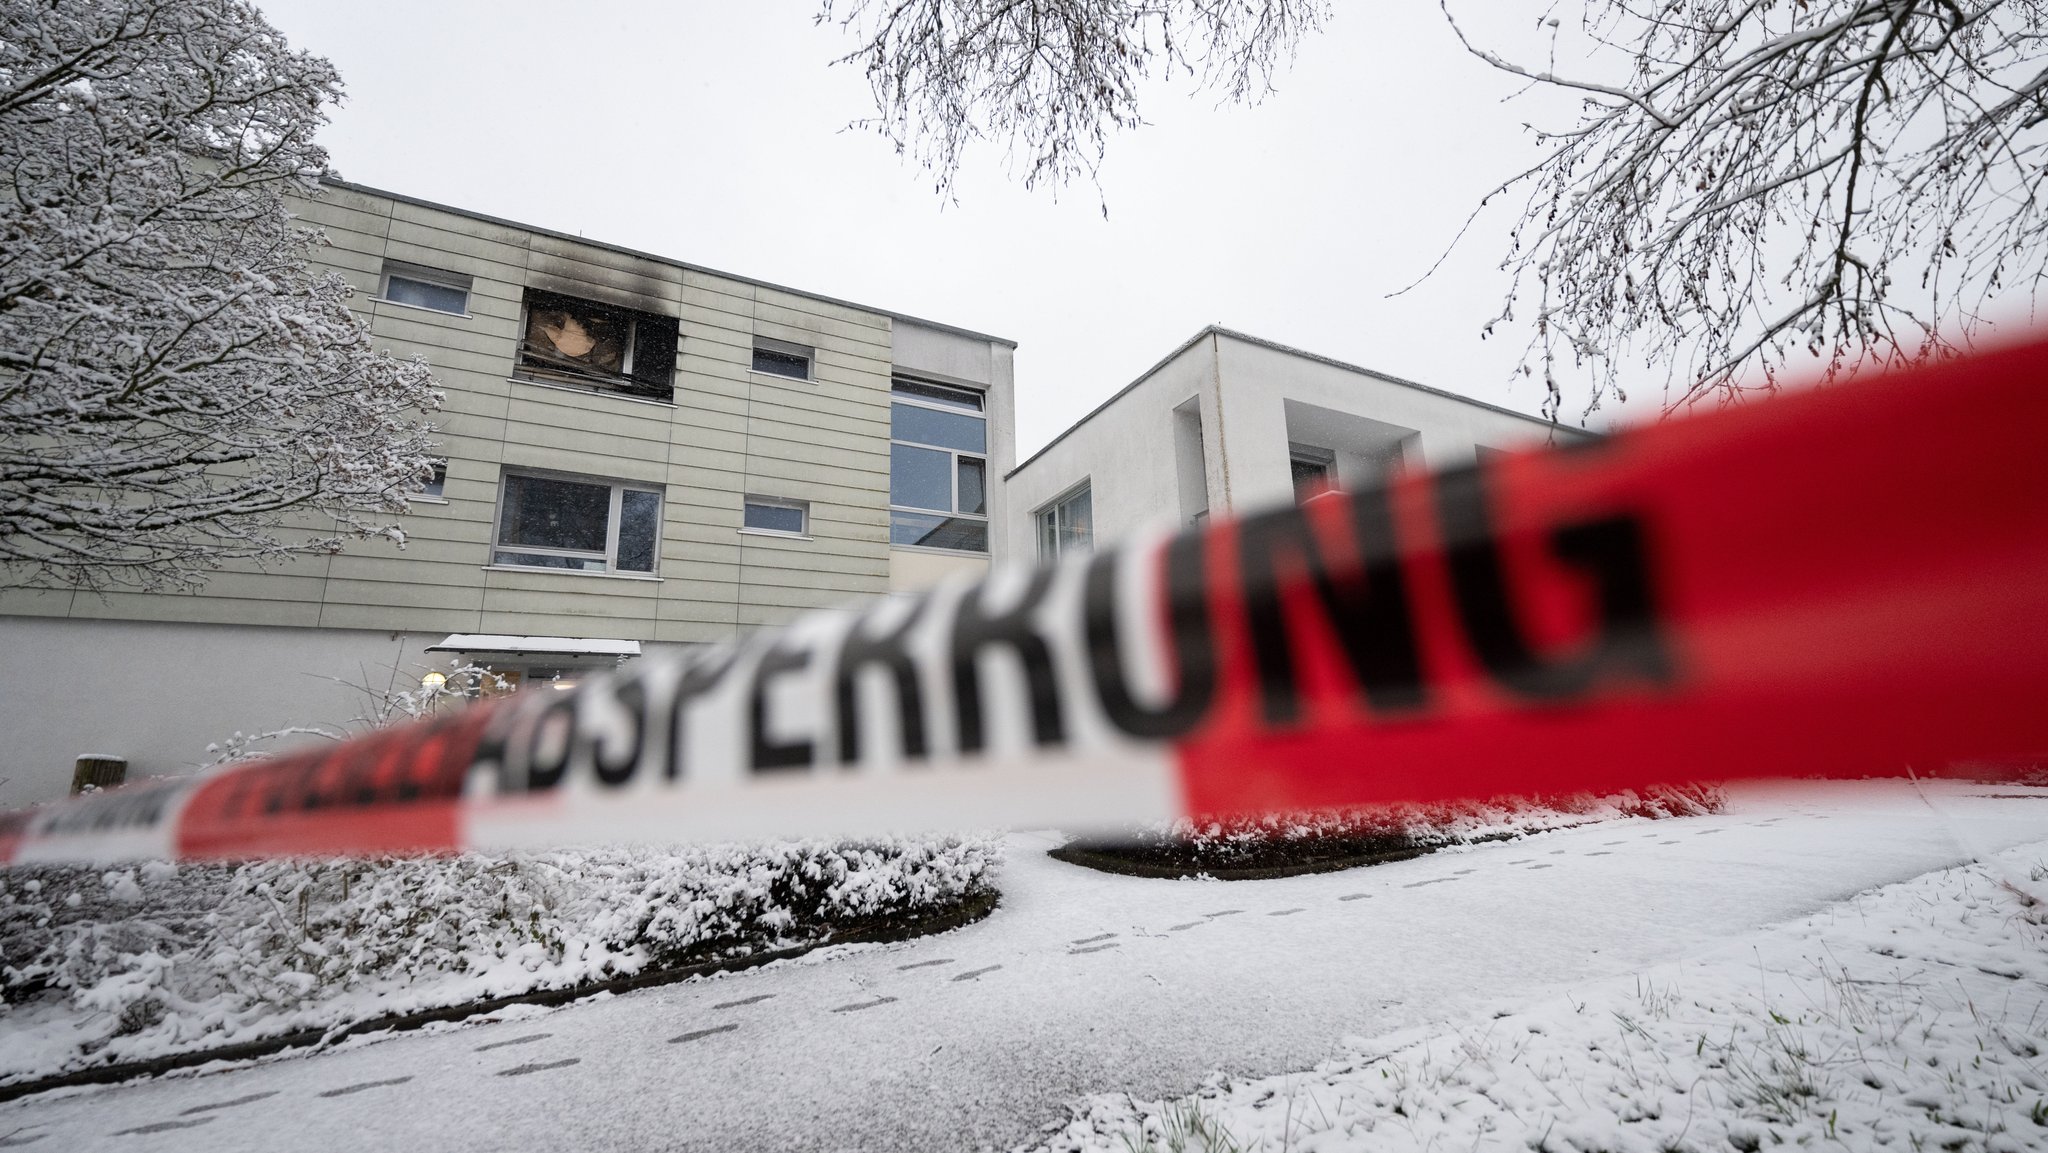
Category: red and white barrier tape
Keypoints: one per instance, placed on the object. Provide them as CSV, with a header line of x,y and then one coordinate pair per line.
x,y
1840,582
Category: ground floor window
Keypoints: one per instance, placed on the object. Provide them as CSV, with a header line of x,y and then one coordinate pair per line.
x,y
577,523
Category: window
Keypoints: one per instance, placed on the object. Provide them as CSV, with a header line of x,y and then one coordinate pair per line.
x,y
423,287
1067,525
584,525
938,467
437,483
785,517
781,358
583,342
1315,470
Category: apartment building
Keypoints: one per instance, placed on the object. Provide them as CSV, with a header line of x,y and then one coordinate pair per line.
x,y
1238,423
640,453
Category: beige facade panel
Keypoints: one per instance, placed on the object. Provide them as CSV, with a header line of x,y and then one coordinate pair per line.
x,y
556,625
38,602
845,485
585,454
408,589
480,256
200,609
776,304
402,618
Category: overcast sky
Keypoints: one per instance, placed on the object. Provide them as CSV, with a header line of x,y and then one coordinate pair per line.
x,y
715,132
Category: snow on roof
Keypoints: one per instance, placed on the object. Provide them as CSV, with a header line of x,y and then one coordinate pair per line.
x,y
495,643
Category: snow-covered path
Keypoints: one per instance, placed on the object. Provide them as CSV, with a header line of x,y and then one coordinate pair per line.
x,y
1081,983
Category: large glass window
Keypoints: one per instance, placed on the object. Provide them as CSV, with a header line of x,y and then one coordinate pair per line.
x,y
584,525
1067,525
938,467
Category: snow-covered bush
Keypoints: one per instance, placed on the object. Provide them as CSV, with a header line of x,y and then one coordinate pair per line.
x,y
105,966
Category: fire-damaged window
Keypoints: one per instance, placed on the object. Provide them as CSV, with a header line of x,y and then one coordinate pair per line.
x,y
577,341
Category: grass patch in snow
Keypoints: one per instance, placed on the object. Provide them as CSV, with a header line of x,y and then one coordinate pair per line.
x,y
1292,844
1912,1017
102,967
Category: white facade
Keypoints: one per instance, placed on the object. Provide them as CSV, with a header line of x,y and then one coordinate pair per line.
x,y
746,436
1216,428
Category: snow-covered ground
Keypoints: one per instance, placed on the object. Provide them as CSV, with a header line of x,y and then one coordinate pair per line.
x,y
1086,984
1909,1017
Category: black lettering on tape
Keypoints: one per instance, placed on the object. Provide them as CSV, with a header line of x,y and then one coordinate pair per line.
x,y
974,630
1364,596
550,739
1611,551
1194,651
886,649
612,728
702,672
766,753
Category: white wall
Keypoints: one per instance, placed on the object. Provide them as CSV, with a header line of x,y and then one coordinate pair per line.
x,y
1138,453
158,692
1260,381
1128,452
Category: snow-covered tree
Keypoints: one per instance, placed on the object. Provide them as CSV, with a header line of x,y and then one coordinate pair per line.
x,y
1749,185
177,388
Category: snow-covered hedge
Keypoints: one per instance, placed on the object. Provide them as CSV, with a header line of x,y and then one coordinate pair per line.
x,y
99,967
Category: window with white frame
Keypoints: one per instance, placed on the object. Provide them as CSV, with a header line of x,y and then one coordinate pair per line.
x,y
560,522
938,467
773,515
781,358
569,340
423,287
1067,525
436,483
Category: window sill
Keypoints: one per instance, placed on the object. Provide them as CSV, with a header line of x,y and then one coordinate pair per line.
x,y
773,533
782,376
572,572
929,550
420,308
429,500
592,390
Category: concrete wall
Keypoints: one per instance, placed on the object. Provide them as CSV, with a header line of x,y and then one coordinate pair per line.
x,y
1213,422
158,692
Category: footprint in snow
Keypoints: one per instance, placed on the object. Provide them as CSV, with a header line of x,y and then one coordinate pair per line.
x,y
360,1086
227,1104
162,1127
926,964
1092,940
1224,913
1354,896
1545,865
700,1034
523,1070
1283,912
1432,881
754,1000
1188,925
528,1040
971,974
1092,949
1599,853
859,1005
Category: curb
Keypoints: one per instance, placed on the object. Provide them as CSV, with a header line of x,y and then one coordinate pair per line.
x,y
971,908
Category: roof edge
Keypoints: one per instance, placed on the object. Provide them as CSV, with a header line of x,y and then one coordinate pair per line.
x,y
1276,346
421,202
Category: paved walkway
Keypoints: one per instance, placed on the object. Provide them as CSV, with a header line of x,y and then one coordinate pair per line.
x,y
1082,982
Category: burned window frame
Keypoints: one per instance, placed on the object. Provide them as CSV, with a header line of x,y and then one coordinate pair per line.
x,y
647,360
